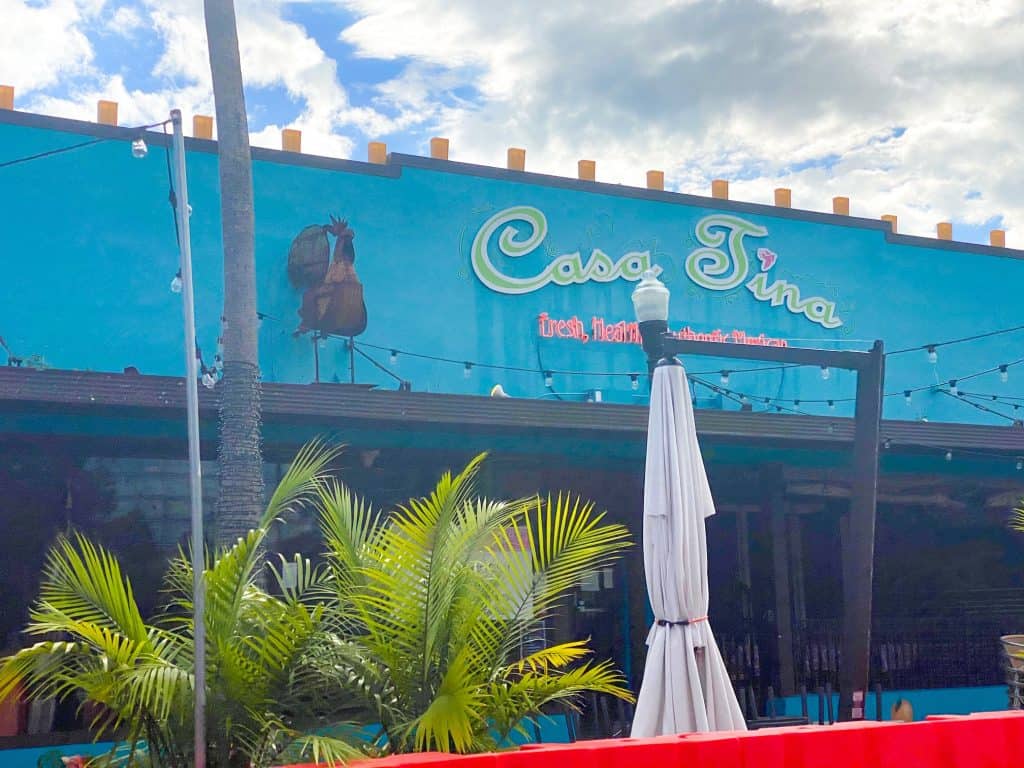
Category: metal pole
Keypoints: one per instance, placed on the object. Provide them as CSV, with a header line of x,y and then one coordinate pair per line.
x,y
194,465
859,551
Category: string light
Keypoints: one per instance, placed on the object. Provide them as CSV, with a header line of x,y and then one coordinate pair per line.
x,y
139,148
887,443
952,388
1020,464
467,371
176,284
208,381
394,357
907,398
725,378
949,455
1004,374
549,380
933,356
634,382
826,373
831,405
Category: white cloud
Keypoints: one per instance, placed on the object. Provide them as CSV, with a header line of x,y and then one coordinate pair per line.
x,y
42,44
741,89
125,21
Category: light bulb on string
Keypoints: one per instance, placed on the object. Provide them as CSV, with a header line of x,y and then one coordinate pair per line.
x,y
176,283
467,371
953,389
1004,373
208,381
394,357
139,148
906,397
831,405
826,373
634,381
724,378
549,379
744,400
1020,464
887,443
949,455
933,356
796,403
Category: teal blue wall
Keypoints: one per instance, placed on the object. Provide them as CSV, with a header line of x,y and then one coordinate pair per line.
x,y
88,251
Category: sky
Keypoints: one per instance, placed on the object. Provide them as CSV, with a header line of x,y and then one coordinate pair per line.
x,y
908,107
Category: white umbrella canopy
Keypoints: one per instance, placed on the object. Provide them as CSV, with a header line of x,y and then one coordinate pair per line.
x,y
686,686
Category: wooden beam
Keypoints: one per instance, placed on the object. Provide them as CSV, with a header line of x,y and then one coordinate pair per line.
x,y
774,490
516,159
944,230
377,152
439,148
720,189
996,238
784,197
291,140
841,206
853,676
202,126
6,97
586,170
891,218
106,112
656,180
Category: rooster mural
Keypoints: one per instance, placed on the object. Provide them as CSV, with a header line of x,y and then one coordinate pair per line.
x,y
332,299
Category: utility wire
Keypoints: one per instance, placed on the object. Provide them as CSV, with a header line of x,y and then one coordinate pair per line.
x,y
72,147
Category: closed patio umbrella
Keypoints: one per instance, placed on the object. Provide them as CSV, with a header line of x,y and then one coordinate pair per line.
x,y
686,686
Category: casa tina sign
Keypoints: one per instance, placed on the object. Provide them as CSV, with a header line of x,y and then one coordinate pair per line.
x,y
721,264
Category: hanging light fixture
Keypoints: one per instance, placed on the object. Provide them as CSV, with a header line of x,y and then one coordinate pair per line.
x,y
1004,373
949,455
952,388
394,357
906,397
467,371
724,378
826,373
831,405
634,381
549,379
139,148
933,356
176,283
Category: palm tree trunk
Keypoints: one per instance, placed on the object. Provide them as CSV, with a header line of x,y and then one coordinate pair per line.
x,y
240,499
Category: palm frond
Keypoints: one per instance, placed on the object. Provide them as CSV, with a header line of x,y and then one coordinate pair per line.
x,y
301,482
84,582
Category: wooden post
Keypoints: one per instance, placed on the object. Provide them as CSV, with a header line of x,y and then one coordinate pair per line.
x,y
656,180
439,148
775,491
516,159
106,112
784,197
291,140
944,230
377,152
720,189
997,238
860,550
891,218
586,170
841,206
6,97
796,557
202,126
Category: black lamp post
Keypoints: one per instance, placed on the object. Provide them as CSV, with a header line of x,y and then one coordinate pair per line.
x,y
650,302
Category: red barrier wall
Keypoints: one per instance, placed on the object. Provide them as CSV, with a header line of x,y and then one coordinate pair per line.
x,y
991,740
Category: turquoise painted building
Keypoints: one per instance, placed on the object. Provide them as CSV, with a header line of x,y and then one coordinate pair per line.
x,y
473,277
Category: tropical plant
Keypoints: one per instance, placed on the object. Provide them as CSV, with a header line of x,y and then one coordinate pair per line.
x,y
418,630
140,673
436,611
240,499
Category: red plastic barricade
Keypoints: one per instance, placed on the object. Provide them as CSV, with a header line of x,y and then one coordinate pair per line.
x,y
994,740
